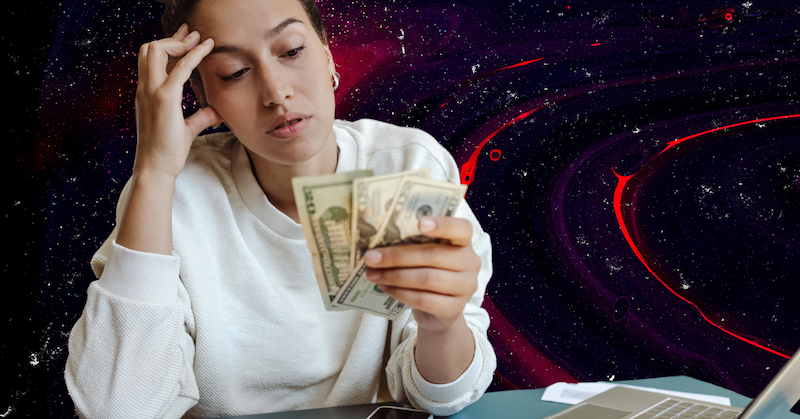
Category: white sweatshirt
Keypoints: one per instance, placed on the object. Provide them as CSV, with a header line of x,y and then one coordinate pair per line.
x,y
233,322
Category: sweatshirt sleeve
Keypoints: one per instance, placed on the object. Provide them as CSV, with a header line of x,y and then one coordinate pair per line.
x,y
404,380
400,148
130,352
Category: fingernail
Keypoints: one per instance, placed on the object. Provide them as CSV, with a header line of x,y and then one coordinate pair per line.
x,y
426,224
374,275
373,257
208,41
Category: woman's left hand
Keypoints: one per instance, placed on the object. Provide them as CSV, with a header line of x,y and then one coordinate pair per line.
x,y
435,279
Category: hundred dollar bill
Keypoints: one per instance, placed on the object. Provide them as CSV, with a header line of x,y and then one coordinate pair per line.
x,y
415,199
324,206
372,199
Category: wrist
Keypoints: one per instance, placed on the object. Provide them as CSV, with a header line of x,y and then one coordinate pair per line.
x,y
153,172
153,179
455,338
443,354
146,223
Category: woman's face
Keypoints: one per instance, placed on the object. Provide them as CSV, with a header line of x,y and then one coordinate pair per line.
x,y
269,77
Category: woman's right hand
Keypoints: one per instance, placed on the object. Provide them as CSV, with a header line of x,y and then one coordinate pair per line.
x,y
163,136
163,139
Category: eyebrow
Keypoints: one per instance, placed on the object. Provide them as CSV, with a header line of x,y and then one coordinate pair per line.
x,y
272,33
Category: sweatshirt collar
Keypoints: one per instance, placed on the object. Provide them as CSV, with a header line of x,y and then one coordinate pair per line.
x,y
257,202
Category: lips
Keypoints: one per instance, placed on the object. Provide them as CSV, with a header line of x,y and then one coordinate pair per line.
x,y
289,125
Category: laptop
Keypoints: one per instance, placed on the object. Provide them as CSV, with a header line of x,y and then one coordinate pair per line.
x,y
776,401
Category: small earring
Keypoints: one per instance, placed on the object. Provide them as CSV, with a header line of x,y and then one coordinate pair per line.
x,y
336,77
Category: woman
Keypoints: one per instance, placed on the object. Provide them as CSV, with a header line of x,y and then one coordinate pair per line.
x,y
206,303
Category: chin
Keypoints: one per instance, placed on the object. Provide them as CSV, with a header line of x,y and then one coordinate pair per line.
x,y
291,154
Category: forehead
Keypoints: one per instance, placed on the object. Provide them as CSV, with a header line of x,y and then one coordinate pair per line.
x,y
240,19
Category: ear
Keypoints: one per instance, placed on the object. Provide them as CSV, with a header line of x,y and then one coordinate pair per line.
x,y
331,63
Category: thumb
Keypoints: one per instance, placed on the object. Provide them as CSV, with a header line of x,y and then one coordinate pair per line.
x,y
202,119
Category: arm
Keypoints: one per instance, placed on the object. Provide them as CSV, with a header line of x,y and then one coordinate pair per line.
x,y
437,281
163,139
130,354
415,354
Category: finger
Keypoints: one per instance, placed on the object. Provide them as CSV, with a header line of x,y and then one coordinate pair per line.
x,y
202,119
432,303
179,35
181,32
457,231
438,255
171,64
159,52
142,63
424,279
185,65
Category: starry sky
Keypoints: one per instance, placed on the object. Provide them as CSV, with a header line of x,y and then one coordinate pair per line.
x,y
637,165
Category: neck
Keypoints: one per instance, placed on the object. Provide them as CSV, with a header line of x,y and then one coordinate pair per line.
x,y
276,179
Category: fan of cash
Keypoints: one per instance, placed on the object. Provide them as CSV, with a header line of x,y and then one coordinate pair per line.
x,y
345,214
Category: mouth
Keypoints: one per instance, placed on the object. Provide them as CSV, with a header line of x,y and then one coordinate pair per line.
x,y
288,123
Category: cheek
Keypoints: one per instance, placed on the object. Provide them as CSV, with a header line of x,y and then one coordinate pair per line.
x,y
213,92
323,89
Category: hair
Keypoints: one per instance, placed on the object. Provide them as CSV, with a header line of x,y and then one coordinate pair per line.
x,y
177,12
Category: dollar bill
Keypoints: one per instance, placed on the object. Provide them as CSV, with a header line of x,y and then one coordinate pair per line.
x,y
361,294
372,199
414,199
324,205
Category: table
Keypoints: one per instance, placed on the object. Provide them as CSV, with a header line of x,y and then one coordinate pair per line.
x,y
513,404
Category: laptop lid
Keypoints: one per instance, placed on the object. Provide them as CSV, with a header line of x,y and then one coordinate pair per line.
x,y
782,394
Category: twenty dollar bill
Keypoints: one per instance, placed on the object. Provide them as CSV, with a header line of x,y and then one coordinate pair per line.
x,y
372,202
415,198
324,205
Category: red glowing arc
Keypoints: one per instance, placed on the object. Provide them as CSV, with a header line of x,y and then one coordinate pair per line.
x,y
517,65
489,74
623,180
468,169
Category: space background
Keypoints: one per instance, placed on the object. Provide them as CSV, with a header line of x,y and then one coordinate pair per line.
x,y
636,163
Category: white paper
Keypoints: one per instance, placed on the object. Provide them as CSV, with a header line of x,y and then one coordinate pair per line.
x,y
575,393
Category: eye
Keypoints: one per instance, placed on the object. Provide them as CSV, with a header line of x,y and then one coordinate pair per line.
x,y
294,52
235,75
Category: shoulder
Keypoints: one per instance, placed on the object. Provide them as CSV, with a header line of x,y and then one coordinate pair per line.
x,y
211,151
215,143
382,135
387,148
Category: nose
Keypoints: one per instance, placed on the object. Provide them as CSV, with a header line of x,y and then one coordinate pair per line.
x,y
276,86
